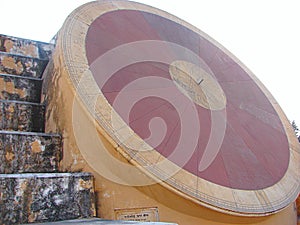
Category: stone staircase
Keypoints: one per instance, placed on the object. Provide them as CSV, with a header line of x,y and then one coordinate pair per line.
x,y
31,187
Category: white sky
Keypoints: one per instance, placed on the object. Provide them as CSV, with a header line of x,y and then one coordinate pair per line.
x,y
263,34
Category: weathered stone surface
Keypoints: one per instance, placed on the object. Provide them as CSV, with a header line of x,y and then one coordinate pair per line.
x,y
22,116
21,65
20,88
29,152
28,198
96,221
44,195
25,47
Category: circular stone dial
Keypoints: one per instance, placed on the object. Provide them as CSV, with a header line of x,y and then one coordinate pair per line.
x,y
254,153
181,98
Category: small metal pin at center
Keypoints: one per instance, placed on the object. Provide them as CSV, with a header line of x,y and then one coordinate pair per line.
x,y
200,81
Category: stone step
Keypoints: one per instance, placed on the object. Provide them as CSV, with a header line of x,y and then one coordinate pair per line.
x,y
22,65
98,221
29,152
25,47
29,198
20,88
22,116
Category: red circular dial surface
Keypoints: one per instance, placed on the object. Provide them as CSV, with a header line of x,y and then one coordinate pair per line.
x,y
254,151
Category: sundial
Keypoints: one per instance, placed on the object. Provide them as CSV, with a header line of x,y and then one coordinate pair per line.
x,y
181,107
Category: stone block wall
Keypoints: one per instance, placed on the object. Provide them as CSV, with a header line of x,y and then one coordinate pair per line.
x,y
21,116
21,65
31,187
20,88
25,47
27,198
29,153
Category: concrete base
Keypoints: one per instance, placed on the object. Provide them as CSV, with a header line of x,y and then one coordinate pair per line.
x,y
96,221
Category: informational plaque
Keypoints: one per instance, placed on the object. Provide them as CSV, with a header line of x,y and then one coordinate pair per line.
x,y
138,214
